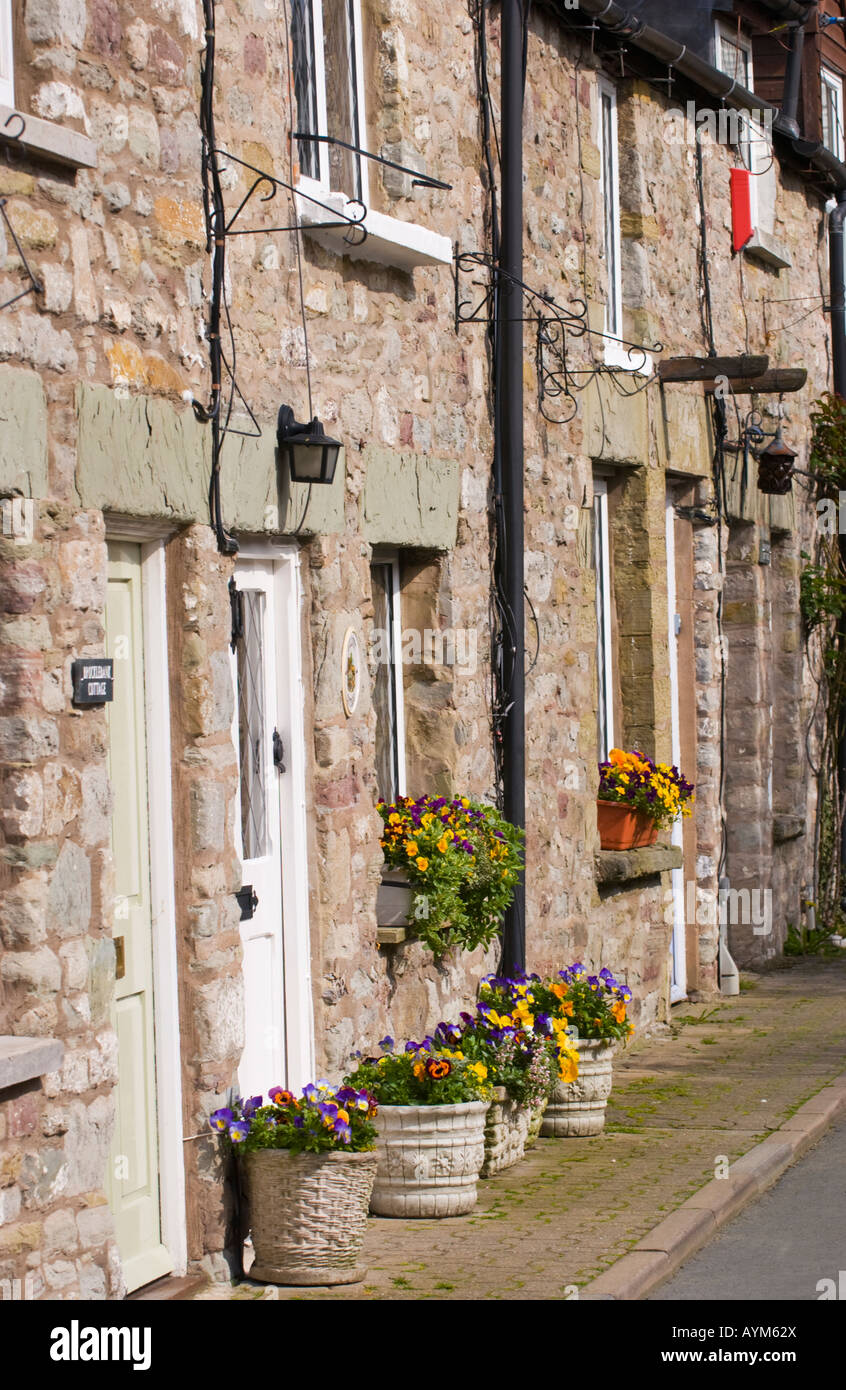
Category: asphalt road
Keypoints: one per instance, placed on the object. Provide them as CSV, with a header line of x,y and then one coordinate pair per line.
x,y
784,1245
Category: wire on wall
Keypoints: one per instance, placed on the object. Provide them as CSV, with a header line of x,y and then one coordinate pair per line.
x,y
34,285
263,187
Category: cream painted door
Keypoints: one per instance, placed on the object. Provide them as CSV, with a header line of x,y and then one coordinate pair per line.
x,y
263,761
134,1182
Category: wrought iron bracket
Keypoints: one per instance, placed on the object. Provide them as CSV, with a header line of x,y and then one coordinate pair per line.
x,y
34,286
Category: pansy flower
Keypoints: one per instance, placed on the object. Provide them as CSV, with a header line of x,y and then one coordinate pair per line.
x,y
239,1130
221,1119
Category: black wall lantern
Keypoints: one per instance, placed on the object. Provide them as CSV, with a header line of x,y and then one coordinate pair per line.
x,y
775,467
312,455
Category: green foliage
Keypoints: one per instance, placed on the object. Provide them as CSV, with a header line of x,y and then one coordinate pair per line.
x,y
802,942
595,1005
320,1121
822,590
421,1075
463,861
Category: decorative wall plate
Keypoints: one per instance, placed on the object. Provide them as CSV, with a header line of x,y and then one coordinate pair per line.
x,y
350,670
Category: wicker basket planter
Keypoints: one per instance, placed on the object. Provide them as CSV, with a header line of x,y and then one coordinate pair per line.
x,y
506,1128
622,828
429,1157
577,1108
308,1215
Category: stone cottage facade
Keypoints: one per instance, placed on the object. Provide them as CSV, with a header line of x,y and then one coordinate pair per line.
x,y
134,984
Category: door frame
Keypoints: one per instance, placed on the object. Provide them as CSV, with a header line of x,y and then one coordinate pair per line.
x,y
167,1038
290,700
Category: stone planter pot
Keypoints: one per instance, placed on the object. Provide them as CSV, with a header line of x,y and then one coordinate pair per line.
x,y
429,1158
534,1125
577,1108
393,899
308,1215
622,828
506,1128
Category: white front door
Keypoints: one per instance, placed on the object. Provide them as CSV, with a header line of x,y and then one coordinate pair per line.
x,y
270,825
678,949
133,1179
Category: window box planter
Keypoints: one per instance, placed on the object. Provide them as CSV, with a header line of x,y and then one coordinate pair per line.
x,y
308,1215
577,1108
393,899
622,828
429,1158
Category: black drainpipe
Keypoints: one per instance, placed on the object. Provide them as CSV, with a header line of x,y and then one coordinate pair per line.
x,y
838,358
509,426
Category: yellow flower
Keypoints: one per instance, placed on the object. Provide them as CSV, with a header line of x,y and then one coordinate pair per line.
x,y
418,1070
394,819
619,1011
465,803
480,1069
443,844
422,864
411,848
568,1066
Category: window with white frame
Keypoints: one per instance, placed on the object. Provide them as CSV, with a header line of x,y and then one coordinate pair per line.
x,y
328,62
388,678
610,187
733,53
7,66
832,112
604,637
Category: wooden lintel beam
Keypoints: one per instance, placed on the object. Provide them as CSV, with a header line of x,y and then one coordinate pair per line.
x,y
709,368
772,383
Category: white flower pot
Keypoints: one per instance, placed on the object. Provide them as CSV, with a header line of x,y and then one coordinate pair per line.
x,y
535,1122
429,1158
506,1128
577,1108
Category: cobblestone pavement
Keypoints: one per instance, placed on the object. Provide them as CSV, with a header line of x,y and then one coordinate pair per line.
x,y
715,1083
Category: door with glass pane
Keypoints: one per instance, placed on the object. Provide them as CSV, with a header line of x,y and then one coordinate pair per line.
x,y
261,764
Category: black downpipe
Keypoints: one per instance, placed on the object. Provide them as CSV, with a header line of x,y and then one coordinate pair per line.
x,y
787,117
838,357
509,425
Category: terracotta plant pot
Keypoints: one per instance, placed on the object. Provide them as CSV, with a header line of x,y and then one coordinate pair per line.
x,y
577,1108
622,828
429,1158
308,1215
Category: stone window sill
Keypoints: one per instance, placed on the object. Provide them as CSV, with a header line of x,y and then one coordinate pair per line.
x,y
787,828
615,866
393,936
47,140
766,249
22,1059
389,241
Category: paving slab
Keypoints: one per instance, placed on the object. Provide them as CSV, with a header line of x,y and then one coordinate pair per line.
x,y
688,1104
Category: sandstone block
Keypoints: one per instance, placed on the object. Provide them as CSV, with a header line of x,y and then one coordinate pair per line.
x,y
69,895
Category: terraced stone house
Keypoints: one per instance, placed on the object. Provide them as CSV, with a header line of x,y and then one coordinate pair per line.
x,y
211,212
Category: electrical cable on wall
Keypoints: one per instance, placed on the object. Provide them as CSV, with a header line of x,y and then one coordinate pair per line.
x,y
220,226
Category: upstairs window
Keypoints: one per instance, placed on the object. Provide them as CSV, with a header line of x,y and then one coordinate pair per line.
x,y
329,89
610,176
832,112
733,53
7,66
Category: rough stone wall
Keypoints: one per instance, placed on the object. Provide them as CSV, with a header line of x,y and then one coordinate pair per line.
x,y
121,252
205,785
57,956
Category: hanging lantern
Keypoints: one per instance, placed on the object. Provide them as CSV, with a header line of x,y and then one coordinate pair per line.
x,y
311,454
775,468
